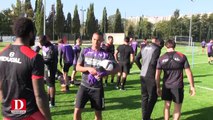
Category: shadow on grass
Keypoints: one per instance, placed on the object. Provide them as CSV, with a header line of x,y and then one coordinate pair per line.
x,y
199,114
129,102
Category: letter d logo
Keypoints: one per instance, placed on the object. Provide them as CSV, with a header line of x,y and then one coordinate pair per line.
x,y
18,106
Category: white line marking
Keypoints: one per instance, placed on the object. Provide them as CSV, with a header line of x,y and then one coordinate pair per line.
x,y
206,88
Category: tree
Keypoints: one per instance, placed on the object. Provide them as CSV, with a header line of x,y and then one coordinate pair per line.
x,y
39,19
118,25
59,24
76,22
204,27
68,22
91,23
49,23
28,9
6,22
131,31
111,20
196,27
104,23
17,9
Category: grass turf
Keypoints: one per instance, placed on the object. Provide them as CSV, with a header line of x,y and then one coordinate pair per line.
x,y
126,105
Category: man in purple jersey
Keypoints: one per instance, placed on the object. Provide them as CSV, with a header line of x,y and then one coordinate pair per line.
x,y
134,45
76,50
203,45
21,77
67,55
173,63
91,88
209,50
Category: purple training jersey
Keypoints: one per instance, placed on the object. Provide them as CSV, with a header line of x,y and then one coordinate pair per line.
x,y
203,43
76,50
91,58
134,45
209,47
67,53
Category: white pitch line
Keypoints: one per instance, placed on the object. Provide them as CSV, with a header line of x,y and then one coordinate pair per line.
x,y
206,88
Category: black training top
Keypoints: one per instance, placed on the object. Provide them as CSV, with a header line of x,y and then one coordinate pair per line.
x,y
124,52
149,55
18,66
173,63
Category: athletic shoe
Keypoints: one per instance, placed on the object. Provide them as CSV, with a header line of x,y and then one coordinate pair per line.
x,y
51,106
116,87
122,89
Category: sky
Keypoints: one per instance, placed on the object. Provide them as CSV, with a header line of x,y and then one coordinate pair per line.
x,y
128,8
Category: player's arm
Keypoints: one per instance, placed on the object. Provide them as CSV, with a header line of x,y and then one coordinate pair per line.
x,y
38,87
41,97
191,81
1,95
157,79
116,56
137,60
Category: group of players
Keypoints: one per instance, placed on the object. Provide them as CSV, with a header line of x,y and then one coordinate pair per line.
x,y
209,49
22,73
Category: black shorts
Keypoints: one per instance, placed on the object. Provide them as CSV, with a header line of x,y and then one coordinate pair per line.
x,y
67,67
203,46
124,67
74,67
173,94
96,97
210,54
49,74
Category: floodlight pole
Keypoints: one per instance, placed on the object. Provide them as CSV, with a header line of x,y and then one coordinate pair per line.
x,y
190,31
44,17
82,18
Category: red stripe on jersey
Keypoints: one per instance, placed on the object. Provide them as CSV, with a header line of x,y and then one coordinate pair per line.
x,y
28,52
5,48
181,54
37,77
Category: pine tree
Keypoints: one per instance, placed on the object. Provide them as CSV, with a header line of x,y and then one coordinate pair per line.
x,y
59,24
118,25
104,23
91,23
28,9
76,22
39,19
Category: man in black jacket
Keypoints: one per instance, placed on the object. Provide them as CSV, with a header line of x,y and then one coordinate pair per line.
x,y
150,55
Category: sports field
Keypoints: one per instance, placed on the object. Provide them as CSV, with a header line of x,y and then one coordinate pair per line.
x,y
126,105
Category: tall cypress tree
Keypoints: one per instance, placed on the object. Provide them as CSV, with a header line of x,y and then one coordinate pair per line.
x,y
67,23
28,9
39,23
76,22
91,24
104,23
59,24
118,25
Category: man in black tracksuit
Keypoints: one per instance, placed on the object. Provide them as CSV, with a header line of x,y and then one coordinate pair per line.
x,y
150,55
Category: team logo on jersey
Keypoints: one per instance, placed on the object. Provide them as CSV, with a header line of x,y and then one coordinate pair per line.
x,y
11,58
18,106
165,60
177,59
11,54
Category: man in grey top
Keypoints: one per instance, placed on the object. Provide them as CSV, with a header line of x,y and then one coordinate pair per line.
x,y
150,55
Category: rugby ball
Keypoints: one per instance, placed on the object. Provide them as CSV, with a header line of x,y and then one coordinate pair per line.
x,y
108,65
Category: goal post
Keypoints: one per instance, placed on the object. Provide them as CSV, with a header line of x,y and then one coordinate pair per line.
x,y
183,40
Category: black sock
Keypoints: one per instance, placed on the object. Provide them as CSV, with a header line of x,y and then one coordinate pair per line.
x,y
48,96
123,83
118,80
112,80
67,87
52,100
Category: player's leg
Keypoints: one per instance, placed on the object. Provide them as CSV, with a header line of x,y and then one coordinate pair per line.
x,y
73,74
167,97
81,100
52,88
123,80
98,115
167,106
106,80
66,70
119,75
97,101
77,114
177,96
112,78
151,88
145,96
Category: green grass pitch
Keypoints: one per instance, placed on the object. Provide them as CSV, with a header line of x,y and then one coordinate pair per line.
x,y
126,105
